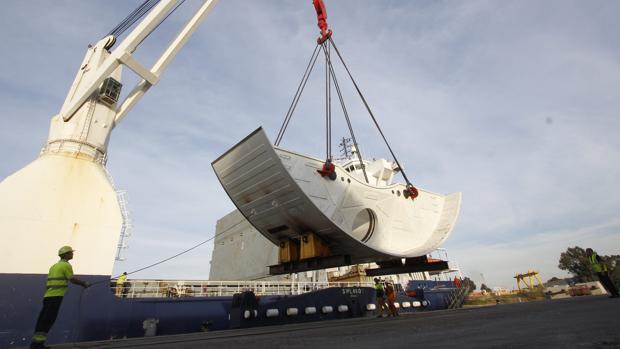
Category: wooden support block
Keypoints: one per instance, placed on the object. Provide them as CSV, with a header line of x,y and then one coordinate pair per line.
x,y
318,263
289,251
312,246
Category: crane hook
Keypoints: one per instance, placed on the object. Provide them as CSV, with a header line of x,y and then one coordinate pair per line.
x,y
321,16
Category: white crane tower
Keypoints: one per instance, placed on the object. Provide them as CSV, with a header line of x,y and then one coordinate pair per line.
x,y
64,197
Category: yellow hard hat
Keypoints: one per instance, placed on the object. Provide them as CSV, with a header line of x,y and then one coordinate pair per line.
x,y
65,249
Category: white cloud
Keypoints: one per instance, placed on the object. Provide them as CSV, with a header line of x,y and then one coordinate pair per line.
x,y
540,251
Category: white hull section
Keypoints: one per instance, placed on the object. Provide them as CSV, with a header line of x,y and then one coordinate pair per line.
x,y
282,195
379,216
59,199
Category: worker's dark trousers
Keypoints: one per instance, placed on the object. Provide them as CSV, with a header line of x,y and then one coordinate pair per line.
x,y
608,284
47,316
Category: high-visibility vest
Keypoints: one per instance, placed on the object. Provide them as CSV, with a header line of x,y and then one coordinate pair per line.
x,y
597,267
121,280
58,279
379,289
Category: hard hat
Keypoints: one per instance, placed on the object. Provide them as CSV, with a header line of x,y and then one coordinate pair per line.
x,y
65,249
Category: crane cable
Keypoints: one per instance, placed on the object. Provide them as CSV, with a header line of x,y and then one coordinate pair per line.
x,y
300,88
346,114
165,259
328,105
359,92
76,326
175,256
133,17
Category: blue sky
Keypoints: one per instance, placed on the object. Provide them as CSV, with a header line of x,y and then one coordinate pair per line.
x,y
514,103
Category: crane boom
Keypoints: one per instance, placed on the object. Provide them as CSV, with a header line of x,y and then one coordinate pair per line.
x,y
66,195
165,59
122,55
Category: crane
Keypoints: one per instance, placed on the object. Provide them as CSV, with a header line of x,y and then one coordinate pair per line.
x,y
66,196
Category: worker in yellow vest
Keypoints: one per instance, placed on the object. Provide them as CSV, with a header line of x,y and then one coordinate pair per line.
x,y
380,294
58,279
120,284
600,268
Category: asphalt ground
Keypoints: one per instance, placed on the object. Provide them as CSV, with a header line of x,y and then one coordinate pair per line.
x,y
580,322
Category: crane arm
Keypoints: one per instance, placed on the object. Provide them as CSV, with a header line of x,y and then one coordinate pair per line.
x,y
83,90
143,86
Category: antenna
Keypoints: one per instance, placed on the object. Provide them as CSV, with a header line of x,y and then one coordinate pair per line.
x,y
345,148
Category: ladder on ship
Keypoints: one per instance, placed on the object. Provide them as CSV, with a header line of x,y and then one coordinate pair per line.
x,y
458,297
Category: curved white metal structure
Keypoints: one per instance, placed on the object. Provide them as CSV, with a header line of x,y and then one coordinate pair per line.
x,y
283,196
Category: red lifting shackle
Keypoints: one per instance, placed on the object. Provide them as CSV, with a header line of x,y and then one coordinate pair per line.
x,y
328,170
410,192
321,16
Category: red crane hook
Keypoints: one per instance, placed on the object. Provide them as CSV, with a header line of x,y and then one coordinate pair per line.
x,y
321,16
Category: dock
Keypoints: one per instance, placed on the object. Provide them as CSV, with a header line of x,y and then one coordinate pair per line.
x,y
579,322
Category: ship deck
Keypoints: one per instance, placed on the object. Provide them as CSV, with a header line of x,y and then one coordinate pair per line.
x,y
581,322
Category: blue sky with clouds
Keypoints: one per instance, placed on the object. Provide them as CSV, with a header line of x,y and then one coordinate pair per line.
x,y
514,103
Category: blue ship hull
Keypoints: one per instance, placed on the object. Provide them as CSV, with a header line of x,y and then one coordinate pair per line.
x,y
96,314
438,294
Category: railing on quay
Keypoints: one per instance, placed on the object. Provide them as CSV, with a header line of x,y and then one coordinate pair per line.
x,y
189,288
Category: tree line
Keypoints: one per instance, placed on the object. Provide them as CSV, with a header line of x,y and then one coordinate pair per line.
x,y
576,262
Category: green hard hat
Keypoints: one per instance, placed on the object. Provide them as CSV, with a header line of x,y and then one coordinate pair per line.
x,y
65,249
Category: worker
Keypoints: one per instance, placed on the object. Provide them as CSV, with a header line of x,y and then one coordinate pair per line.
x,y
600,268
380,293
120,284
391,299
57,283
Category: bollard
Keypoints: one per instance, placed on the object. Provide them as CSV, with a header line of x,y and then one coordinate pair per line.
x,y
150,327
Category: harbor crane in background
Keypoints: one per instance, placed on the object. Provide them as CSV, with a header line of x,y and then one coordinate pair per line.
x,y
526,279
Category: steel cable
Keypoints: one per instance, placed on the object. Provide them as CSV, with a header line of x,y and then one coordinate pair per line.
x,y
328,104
348,120
298,93
79,311
163,20
138,13
402,170
134,16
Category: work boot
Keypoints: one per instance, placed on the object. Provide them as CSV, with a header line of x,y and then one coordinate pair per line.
x,y
38,346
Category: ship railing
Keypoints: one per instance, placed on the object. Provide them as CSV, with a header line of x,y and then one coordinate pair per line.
x,y
198,288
